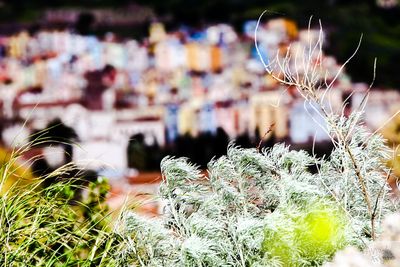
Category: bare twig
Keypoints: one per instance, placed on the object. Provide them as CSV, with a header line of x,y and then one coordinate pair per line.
x,y
270,129
308,85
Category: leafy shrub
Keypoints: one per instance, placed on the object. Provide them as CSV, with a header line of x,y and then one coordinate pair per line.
x,y
260,209
50,226
266,208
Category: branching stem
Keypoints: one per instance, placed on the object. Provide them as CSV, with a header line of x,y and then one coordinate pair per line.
x,y
308,84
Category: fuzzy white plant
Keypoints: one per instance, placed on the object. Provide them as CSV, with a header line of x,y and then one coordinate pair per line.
x,y
266,208
358,153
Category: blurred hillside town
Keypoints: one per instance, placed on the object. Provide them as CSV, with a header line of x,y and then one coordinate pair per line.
x,y
123,99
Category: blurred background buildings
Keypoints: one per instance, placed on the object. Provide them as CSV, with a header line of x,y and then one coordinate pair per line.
x,y
119,86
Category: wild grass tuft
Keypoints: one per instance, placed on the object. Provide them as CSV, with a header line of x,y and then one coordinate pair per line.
x,y
54,225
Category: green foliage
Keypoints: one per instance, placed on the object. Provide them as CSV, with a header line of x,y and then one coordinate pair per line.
x,y
53,226
279,240
263,208
312,233
321,230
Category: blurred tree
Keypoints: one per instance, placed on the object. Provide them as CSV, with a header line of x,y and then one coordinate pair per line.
x,y
85,23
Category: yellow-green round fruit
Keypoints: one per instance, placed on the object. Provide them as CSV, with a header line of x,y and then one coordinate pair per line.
x,y
312,233
279,242
321,230
280,247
